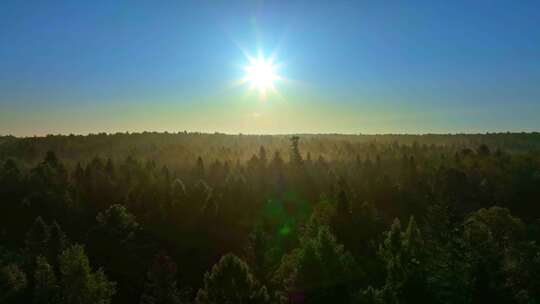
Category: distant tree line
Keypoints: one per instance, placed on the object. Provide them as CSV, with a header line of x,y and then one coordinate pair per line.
x,y
213,218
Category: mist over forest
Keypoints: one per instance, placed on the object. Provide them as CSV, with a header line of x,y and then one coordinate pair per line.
x,y
269,152
215,218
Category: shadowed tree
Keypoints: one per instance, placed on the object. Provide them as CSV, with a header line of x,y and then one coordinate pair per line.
x,y
405,259
493,236
80,285
13,283
231,281
296,157
198,171
46,289
257,253
160,286
37,239
319,271
342,219
263,159
57,242
117,223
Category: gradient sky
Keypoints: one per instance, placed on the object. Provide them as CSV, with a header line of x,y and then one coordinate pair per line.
x,y
353,67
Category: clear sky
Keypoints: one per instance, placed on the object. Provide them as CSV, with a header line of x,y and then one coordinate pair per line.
x,y
352,66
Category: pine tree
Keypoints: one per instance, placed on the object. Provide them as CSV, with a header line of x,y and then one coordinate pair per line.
x,y
46,289
57,242
160,286
405,259
117,223
263,159
13,283
296,157
231,281
51,159
37,238
80,285
322,270
199,171
342,218
257,252
79,175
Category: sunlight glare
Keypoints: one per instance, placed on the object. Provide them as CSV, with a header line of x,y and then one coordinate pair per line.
x,y
261,75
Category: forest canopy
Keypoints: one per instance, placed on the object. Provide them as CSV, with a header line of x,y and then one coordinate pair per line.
x,y
215,218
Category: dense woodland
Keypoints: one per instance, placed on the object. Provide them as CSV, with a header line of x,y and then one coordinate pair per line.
x,y
212,218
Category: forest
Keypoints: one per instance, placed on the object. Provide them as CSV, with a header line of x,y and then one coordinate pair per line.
x,y
170,218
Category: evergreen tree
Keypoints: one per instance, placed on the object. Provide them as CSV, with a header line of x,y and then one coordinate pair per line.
x,y
371,295
231,281
37,239
342,218
405,258
296,157
257,253
51,159
80,285
57,242
117,223
493,236
13,283
160,286
11,181
79,175
321,271
263,159
46,289
199,169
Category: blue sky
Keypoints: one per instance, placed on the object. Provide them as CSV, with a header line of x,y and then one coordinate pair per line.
x,y
352,67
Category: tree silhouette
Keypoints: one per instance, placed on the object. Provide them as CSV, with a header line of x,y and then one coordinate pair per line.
x,y
37,239
296,157
13,283
80,285
231,281
46,288
320,271
160,286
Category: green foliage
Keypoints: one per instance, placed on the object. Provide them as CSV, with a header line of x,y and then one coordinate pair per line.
x,y
80,285
495,225
37,238
13,283
371,295
495,239
258,253
231,281
46,288
117,223
311,229
160,286
404,255
57,242
449,269
320,270
296,157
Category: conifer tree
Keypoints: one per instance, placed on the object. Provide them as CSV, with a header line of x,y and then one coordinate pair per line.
x,y
80,285
37,238
231,281
57,242
160,286
13,283
46,289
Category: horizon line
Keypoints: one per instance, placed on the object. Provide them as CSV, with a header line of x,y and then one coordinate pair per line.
x,y
190,132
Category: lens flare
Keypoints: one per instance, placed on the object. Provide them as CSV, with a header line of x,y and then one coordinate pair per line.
x,y
261,75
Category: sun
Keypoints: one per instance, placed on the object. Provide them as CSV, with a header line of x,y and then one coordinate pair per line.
x,y
261,74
